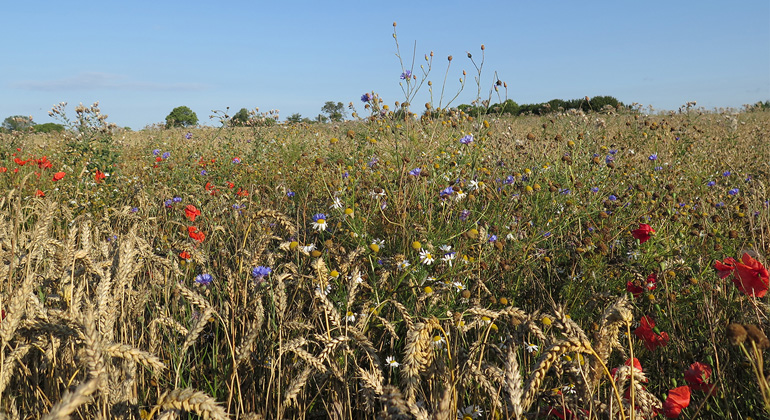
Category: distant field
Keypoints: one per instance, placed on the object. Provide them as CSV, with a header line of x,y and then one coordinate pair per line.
x,y
459,267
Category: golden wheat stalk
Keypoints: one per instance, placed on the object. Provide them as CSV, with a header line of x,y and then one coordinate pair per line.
x,y
72,400
191,401
550,355
130,353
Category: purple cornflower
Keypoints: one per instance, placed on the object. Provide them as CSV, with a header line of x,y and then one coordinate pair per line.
x,y
727,173
204,279
134,209
366,97
509,180
613,151
492,238
260,272
156,152
734,191
177,199
547,234
653,156
711,183
406,75
166,155
188,136
290,194
612,197
467,139
168,203
609,158
565,191
658,168
446,191
415,172
203,172
236,160
464,215
595,189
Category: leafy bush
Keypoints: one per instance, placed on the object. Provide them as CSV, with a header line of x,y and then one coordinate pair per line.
x,y
49,128
17,123
181,116
241,118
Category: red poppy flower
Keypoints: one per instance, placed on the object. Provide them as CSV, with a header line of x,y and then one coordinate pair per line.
x,y
634,289
637,290
191,212
58,176
697,376
99,176
196,234
678,399
20,162
43,163
39,193
751,277
242,193
725,268
185,255
3,169
230,184
651,336
644,232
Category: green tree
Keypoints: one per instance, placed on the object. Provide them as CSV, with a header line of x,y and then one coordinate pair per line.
x,y
18,123
181,116
335,112
49,128
294,118
240,118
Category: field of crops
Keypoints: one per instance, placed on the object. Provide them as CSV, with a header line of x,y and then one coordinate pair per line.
x,y
575,265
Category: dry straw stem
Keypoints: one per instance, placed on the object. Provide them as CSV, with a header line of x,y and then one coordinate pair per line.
x,y
72,400
192,401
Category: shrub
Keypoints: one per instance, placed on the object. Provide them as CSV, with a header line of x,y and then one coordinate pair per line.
x,y
49,128
17,123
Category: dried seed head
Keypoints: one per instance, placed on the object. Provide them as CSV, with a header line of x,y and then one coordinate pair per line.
x,y
757,336
736,334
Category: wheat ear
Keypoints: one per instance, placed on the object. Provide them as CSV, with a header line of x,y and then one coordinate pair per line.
x,y
72,400
192,401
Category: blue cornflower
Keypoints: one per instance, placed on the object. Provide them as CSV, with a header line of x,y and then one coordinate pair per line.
x,y
711,183
366,97
156,152
464,215
467,139
260,272
168,203
613,151
177,199
612,197
658,168
415,172
565,191
236,160
734,191
166,155
719,204
188,136
653,156
134,209
509,180
204,279
595,189
609,158
345,175
492,238
727,173
446,191
406,75
547,234
204,172
290,194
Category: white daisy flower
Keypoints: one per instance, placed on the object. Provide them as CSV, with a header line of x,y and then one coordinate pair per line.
x,y
445,248
449,257
391,362
319,222
308,248
459,287
426,257
336,203
470,412
569,389
438,341
532,348
403,264
350,316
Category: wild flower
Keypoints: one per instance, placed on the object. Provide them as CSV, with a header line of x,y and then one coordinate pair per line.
x,y
366,97
711,183
204,279
391,362
290,193
188,136
749,275
467,139
236,160
260,272
415,172
426,257
726,173
166,155
438,341
403,264
643,233
336,203
651,336
531,348
470,412
195,234
733,191
58,176
677,400
406,75
464,215
698,377
319,222
653,156
350,316
191,212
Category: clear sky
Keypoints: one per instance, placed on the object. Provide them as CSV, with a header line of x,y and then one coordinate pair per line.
x,y
140,59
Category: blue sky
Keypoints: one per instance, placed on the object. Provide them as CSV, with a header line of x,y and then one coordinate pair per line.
x,y
141,59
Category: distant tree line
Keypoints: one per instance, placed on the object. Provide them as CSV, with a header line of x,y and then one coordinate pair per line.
x,y
510,107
